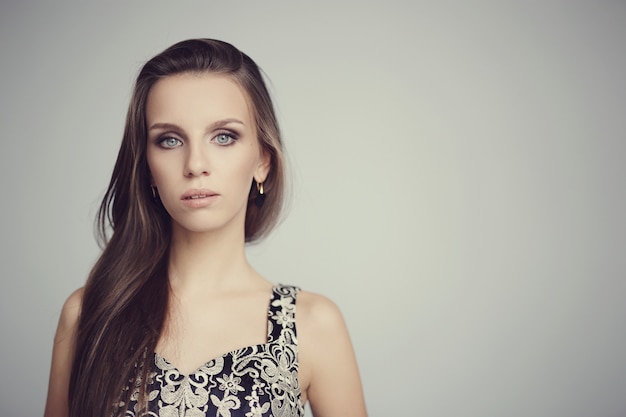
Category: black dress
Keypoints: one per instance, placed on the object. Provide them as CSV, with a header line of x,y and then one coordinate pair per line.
x,y
255,381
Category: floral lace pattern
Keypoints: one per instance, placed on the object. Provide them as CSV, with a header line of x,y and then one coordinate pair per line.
x,y
255,381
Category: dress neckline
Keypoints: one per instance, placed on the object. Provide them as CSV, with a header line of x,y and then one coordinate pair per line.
x,y
171,367
269,340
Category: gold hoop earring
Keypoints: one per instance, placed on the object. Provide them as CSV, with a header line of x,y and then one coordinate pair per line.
x,y
260,197
155,192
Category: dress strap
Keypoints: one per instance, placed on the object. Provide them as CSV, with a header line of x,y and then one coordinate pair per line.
x,y
281,323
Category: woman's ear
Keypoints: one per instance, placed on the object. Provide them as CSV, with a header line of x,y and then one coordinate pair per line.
x,y
263,168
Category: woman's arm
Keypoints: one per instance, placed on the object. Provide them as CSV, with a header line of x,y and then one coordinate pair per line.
x,y
62,355
331,380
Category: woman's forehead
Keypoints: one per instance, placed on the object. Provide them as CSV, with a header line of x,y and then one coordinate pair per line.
x,y
194,96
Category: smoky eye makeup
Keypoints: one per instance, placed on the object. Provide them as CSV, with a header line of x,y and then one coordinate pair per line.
x,y
169,136
168,141
225,138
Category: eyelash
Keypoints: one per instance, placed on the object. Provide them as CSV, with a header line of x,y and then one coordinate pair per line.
x,y
231,135
161,141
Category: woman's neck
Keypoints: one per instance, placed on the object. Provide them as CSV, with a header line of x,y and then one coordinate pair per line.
x,y
214,262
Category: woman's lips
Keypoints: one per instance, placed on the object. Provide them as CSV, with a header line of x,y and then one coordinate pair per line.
x,y
199,198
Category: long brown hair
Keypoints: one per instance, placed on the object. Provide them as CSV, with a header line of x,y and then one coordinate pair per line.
x,y
126,295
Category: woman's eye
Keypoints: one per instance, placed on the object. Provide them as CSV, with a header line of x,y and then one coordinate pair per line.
x,y
170,142
224,139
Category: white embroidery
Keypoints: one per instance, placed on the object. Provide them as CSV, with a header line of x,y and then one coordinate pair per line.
x,y
256,381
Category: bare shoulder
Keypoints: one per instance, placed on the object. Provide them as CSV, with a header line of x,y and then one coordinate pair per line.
x,y
73,302
328,374
69,314
317,312
62,356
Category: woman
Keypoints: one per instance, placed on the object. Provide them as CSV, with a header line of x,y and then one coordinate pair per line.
x,y
199,174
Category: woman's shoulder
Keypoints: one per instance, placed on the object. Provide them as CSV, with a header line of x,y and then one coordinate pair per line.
x,y
318,313
73,303
62,356
328,370
75,299
70,313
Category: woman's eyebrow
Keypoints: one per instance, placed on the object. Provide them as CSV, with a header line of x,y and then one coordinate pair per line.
x,y
213,126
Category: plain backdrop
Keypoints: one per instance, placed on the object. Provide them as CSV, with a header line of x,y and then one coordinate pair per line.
x,y
457,174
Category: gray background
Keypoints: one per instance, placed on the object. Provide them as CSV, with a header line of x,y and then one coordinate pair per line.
x,y
458,185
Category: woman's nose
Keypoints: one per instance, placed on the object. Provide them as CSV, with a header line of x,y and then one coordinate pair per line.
x,y
197,160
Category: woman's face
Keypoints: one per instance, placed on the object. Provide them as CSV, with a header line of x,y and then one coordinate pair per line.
x,y
202,150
